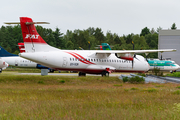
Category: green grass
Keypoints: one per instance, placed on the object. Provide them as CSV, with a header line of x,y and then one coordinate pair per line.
x,y
57,97
174,74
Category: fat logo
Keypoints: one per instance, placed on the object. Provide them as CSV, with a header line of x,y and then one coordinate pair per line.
x,y
31,36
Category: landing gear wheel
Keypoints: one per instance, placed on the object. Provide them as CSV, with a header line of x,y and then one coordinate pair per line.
x,y
105,73
51,70
82,74
0,70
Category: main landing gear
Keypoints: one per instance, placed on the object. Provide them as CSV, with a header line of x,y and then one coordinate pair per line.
x,y
82,74
105,73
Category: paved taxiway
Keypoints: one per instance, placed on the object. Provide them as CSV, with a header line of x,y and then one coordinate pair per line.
x,y
69,74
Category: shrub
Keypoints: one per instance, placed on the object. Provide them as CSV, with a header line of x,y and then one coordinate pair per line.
x,y
142,74
125,79
174,74
135,79
156,71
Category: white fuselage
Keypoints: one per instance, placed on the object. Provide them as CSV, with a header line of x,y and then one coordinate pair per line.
x,y
86,61
19,62
166,68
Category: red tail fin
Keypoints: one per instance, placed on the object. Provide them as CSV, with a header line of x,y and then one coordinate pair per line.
x,y
21,47
30,35
33,42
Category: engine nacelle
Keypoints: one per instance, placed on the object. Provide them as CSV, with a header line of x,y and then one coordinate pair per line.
x,y
125,56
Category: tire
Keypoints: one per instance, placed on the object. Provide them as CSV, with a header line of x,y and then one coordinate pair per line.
x,y
51,70
105,73
82,74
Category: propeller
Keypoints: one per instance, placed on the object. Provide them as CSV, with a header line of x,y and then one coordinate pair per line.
x,y
146,56
133,60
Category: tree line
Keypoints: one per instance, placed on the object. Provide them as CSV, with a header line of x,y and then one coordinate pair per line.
x,y
89,38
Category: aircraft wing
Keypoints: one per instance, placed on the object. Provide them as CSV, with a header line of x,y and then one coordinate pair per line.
x,y
135,51
120,52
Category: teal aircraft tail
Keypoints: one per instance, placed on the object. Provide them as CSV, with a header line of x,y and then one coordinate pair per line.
x,y
105,46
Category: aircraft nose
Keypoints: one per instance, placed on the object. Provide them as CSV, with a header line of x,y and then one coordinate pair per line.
x,y
178,66
147,66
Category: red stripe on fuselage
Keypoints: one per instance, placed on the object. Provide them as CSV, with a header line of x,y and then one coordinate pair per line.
x,y
80,59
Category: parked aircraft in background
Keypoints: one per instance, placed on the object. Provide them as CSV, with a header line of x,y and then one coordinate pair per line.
x,y
104,46
15,60
163,65
84,61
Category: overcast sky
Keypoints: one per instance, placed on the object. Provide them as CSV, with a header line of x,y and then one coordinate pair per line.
x,y
117,16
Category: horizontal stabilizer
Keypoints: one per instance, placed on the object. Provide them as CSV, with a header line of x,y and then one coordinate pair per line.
x,y
27,23
11,22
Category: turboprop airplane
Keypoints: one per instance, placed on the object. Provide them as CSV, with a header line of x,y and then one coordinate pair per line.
x,y
84,61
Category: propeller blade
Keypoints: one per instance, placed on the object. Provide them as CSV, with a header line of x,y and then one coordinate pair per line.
x,y
132,63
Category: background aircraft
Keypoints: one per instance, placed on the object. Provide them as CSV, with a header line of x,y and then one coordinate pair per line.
x,y
84,61
15,60
163,65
